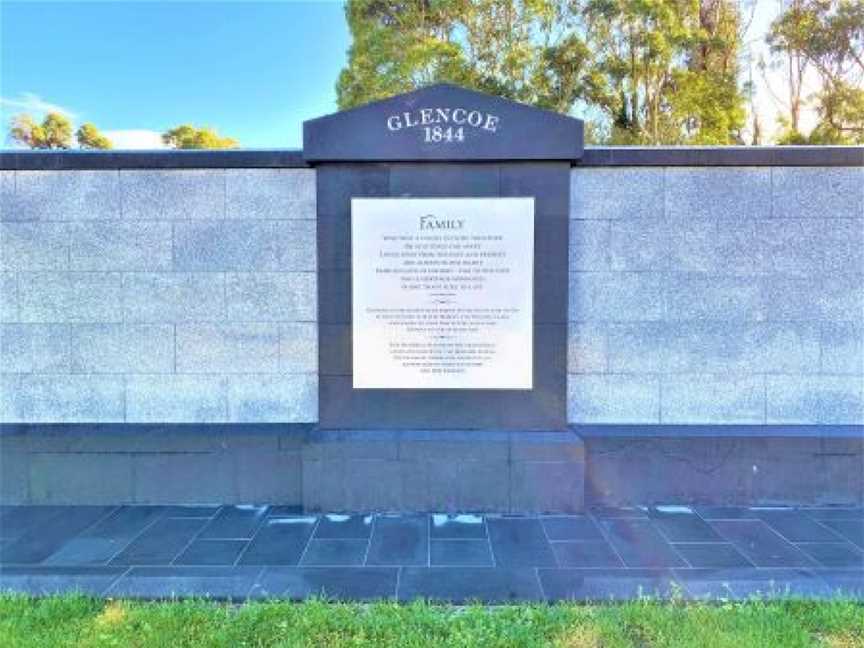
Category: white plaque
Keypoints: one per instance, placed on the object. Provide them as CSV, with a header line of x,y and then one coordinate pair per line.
x,y
442,292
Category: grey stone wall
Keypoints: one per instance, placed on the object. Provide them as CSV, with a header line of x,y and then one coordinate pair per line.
x,y
137,295
716,295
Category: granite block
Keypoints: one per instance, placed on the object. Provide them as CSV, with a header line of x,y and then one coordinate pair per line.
x,y
272,297
9,311
270,193
357,584
64,196
621,296
597,193
298,348
615,398
172,194
712,192
227,348
817,192
704,398
587,348
807,246
173,297
639,245
290,398
56,297
33,398
100,245
122,348
703,297
589,245
34,246
842,346
34,348
176,399
279,541
836,297
815,399
250,245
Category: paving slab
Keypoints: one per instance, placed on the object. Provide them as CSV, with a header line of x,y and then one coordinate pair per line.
x,y
519,542
834,554
851,530
399,540
39,580
357,527
712,555
161,543
605,584
235,522
639,544
211,552
797,526
107,538
586,554
456,527
335,552
571,527
279,541
344,583
47,536
461,585
219,583
681,524
762,546
460,553
747,583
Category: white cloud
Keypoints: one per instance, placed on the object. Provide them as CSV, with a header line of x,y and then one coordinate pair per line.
x,y
135,139
30,102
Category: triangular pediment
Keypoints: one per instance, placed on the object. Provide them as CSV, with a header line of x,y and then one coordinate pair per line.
x,y
442,122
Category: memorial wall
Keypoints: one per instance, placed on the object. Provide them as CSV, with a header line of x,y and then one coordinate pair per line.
x,y
420,330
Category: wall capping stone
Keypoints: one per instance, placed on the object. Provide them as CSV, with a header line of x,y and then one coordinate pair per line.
x,y
596,156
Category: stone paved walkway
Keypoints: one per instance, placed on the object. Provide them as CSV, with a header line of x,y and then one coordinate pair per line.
x,y
240,552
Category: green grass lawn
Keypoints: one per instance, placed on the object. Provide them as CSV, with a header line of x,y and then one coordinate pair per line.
x,y
80,621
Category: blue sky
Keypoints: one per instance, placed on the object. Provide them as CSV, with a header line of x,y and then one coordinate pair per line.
x,y
252,70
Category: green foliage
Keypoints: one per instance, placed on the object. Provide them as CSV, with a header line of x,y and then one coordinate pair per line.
x,y
55,131
89,137
90,623
658,71
187,136
828,36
